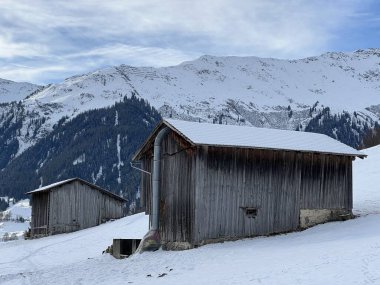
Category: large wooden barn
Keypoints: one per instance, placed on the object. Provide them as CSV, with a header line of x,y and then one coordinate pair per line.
x,y
72,205
220,182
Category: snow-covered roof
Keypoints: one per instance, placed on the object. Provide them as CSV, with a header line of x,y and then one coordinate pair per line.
x,y
258,138
47,187
54,185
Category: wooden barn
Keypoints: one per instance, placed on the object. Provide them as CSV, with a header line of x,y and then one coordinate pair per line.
x,y
72,205
211,183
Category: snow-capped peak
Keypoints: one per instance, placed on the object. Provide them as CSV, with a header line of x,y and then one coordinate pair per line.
x,y
15,91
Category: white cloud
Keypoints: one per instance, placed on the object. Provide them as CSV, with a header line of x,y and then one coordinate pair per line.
x,y
18,72
11,49
148,56
84,61
150,32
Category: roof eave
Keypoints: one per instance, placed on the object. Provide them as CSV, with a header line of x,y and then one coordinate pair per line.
x,y
57,184
142,149
139,152
362,156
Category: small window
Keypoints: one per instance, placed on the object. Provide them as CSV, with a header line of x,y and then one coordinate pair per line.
x,y
250,212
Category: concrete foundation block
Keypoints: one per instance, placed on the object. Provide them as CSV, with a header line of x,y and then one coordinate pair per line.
x,y
176,246
312,217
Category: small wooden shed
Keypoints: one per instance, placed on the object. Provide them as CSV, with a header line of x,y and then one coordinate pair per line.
x,y
223,182
72,205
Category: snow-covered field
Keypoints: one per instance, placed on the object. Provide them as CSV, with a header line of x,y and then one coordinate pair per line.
x,y
333,253
20,209
12,227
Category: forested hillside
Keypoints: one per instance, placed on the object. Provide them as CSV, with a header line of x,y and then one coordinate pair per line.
x,y
347,128
96,145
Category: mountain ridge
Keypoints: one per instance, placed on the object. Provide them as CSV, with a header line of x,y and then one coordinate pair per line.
x,y
262,92
15,91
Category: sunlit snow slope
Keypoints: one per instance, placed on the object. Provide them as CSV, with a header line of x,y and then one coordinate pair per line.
x,y
366,182
15,91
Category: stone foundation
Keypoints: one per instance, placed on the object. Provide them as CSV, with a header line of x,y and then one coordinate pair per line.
x,y
312,217
176,246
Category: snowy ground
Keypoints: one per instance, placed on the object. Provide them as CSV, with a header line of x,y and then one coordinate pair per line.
x,y
333,253
20,209
11,227
366,183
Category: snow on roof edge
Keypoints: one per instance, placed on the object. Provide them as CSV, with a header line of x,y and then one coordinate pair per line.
x,y
349,151
53,185
46,187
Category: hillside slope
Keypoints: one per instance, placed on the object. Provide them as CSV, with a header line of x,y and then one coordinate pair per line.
x,y
334,253
96,146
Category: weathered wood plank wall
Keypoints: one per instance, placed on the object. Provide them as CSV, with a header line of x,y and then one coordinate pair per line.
x,y
231,180
177,189
277,183
73,206
205,190
326,182
39,223
146,182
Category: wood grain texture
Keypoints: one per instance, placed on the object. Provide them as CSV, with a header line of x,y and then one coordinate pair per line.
x,y
205,190
71,207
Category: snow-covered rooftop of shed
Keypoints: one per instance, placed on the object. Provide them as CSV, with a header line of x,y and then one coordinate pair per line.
x,y
261,138
51,186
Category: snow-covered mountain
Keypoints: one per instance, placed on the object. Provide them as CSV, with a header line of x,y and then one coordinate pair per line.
x,y
335,94
243,87
15,91
262,92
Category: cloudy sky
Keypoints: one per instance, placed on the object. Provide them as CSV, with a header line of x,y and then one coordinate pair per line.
x,y
44,41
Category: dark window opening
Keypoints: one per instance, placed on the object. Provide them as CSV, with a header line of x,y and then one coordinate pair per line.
x,y
251,212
